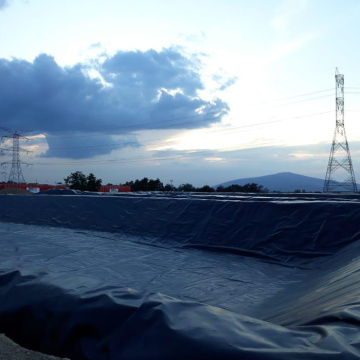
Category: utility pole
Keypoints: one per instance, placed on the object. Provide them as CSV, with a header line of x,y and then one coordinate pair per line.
x,y
340,160
16,175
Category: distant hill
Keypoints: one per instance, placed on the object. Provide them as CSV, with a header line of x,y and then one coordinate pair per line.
x,y
285,182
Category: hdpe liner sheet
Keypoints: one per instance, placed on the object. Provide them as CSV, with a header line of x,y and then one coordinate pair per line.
x,y
181,277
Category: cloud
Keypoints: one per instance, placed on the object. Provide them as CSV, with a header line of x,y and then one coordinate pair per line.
x,y
224,82
194,37
287,12
195,167
283,50
78,146
3,3
152,71
214,159
132,91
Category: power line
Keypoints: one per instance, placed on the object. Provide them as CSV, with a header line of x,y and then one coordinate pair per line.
x,y
310,99
187,154
272,103
166,139
140,126
190,153
134,127
306,94
242,128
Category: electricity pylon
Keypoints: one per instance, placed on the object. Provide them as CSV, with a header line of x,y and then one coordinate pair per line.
x,y
16,175
340,160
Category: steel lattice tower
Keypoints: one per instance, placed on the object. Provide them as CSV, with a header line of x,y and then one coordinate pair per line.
x,y
340,160
16,175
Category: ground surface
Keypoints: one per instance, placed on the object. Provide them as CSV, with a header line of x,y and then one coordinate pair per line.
x,y
11,351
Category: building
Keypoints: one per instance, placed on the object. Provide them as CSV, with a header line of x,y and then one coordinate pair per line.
x,y
35,188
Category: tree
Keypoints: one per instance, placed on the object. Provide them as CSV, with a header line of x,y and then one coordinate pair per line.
x,y
254,188
169,187
205,188
186,187
247,188
93,184
80,181
146,185
76,180
140,185
230,188
155,185
129,183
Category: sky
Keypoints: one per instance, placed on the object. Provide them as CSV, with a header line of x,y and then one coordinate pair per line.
x,y
199,92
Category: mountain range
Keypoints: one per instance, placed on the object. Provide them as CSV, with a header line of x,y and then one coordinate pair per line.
x,y
284,182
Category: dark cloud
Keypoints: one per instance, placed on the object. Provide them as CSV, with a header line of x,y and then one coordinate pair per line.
x,y
133,91
78,146
152,71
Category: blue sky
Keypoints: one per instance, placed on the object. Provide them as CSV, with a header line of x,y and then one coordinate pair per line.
x,y
200,92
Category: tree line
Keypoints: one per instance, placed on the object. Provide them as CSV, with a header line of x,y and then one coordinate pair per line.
x,y
80,181
146,184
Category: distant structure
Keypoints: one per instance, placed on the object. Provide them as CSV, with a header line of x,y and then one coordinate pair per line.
x,y
340,160
2,172
16,175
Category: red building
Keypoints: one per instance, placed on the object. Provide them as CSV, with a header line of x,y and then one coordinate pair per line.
x,y
115,188
35,188
31,187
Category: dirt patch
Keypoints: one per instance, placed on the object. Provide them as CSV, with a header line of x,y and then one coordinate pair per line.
x,y
11,351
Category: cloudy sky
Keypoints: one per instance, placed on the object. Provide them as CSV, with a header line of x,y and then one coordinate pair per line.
x,y
190,91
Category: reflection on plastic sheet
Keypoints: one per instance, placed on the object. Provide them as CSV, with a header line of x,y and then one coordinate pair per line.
x,y
149,276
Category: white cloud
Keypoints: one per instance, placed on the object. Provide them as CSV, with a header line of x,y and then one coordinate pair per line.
x,y
214,159
279,51
303,155
288,10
